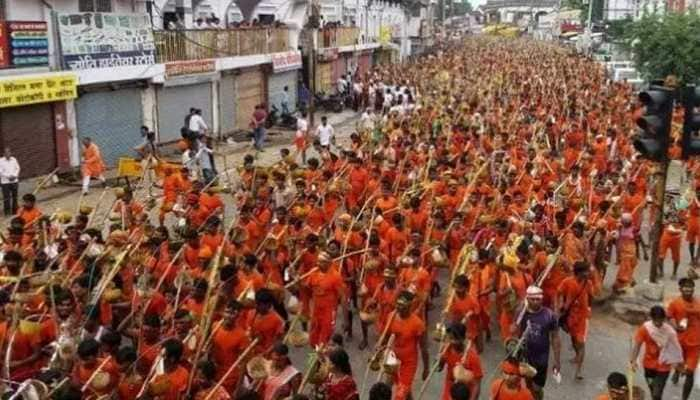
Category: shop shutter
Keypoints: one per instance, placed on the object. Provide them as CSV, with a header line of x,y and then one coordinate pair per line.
x,y
174,102
113,120
275,87
249,93
28,131
323,78
227,96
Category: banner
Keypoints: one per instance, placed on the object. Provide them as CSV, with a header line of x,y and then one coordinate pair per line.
x,y
42,89
105,40
4,46
178,68
286,61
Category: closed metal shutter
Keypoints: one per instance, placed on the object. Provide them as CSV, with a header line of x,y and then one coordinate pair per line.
x,y
174,102
275,88
112,119
28,132
227,97
249,91
324,76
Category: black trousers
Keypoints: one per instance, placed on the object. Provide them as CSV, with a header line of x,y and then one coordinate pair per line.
x,y
9,198
656,381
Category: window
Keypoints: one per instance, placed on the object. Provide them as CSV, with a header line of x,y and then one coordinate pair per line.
x,y
95,6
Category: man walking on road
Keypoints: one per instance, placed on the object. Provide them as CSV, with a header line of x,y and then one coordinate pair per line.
x,y
684,315
540,329
197,124
93,166
9,180
325,133
258,125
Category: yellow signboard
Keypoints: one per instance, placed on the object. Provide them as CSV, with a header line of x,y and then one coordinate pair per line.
x,y
129,167
42,89
385,34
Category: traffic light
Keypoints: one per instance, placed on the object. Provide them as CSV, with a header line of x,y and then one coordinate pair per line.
x,y
690,144
653,140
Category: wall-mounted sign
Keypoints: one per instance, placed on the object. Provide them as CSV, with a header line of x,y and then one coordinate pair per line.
x,y
41,89
328,54
105,40
189,67
29,43
286,61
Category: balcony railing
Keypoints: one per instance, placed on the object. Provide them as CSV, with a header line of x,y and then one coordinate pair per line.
x,y
186,45
337,37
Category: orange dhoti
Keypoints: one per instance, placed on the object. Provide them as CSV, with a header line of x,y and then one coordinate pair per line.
x,y
322,324
670,241
625,272
578,327
403,380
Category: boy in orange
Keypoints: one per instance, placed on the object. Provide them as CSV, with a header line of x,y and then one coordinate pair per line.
x,y
656,371
229,339
684,314
574,304
86,371
173,185
511,386
618,389
460,353
175,374
409,333
93,166
267,325
327,293
465,309
671,240
628,240
692,234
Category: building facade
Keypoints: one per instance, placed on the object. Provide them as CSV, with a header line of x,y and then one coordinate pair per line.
x,y
104,68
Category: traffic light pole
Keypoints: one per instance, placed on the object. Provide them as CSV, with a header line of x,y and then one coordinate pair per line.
x,y
656,263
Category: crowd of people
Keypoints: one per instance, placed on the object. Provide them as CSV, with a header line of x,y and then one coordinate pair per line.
x,y
492,192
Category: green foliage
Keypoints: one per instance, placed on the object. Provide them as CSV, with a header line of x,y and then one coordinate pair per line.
x,y
462,7
619,29
667,44
596,13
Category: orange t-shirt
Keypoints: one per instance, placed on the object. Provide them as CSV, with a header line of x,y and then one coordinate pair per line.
x,y
407,335
651,351
680,309
500,391
268,329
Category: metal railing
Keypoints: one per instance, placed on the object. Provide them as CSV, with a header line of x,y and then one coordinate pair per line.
x,y
337,37
186,45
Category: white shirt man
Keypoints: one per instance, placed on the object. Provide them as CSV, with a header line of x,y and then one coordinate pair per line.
x,y
9,170
325,133
197,124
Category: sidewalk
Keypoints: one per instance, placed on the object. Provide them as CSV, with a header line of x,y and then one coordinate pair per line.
x,y
234,153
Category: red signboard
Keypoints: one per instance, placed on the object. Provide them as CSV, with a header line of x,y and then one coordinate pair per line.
x,y
4,46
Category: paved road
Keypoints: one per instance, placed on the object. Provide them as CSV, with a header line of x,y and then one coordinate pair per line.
x,y
609,339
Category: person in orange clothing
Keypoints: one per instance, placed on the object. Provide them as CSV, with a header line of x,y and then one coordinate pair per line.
x,y
511,386
229,339
173,185
414,278
483,283
409,332
628,240
327,293
464,308
633,202
692,227
671,238
175,377
684,314
461,352
574,246
130,381
267,325
574,306
204,383
99,375
196,302
92,166
618,389
654,335
512,287
29,213
384,302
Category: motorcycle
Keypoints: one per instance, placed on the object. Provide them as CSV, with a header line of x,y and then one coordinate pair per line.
x,y
331,102
272,118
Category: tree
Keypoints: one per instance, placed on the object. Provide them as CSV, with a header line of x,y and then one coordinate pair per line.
x,y
462,7
596,13
666,44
